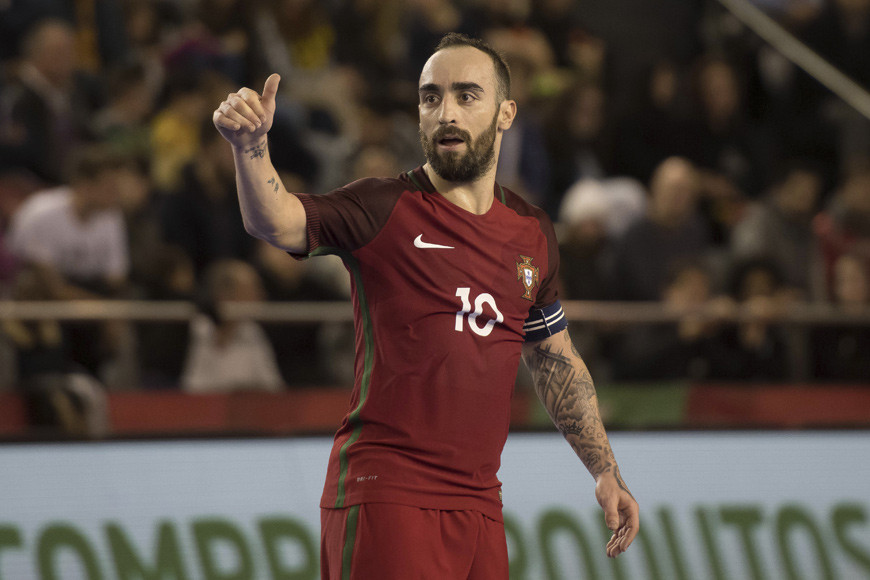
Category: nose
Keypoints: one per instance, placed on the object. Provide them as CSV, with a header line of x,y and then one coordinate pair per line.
x,y
447,112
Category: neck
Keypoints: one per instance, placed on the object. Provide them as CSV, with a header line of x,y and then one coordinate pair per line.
x,y
473,196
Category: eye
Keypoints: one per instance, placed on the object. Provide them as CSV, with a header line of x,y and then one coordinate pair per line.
x,y
430,99
467,97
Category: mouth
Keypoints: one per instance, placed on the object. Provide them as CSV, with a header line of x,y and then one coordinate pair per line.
x,y
450,142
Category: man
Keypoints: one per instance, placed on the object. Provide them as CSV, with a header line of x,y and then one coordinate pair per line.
x,y
74,239
77,232
49,103
454,279
672,232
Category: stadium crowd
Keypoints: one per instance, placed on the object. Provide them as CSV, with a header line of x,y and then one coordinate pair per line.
x,y
714,174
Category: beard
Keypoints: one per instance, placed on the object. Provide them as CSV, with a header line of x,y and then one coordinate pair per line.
x,y
455,166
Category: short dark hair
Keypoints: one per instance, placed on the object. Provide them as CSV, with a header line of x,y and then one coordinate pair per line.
x,y
502,70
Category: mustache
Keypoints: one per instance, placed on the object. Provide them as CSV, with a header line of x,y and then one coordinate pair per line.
x,y
450,132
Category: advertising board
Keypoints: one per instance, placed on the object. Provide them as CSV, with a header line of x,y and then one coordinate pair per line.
x,y
714,505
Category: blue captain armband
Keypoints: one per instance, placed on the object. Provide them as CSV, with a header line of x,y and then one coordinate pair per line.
x,y
545,322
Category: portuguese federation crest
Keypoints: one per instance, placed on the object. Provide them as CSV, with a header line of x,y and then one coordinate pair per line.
x,y
528,275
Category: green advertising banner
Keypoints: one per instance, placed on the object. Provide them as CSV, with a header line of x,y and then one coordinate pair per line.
x,y
714,505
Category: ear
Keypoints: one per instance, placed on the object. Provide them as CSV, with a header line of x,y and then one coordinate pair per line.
x,y
507,113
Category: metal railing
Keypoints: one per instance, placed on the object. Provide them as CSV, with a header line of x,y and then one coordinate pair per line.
x,y
798,319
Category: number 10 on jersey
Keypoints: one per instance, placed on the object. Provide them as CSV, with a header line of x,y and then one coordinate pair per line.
x,y
485,298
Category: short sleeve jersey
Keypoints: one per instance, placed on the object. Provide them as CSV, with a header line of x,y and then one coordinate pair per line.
x,y
440,299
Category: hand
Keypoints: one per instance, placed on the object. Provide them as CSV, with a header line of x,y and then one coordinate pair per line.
x,y
620,512
245,117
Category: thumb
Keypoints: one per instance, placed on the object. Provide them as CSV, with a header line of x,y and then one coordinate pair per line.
x,y
611,513
271,87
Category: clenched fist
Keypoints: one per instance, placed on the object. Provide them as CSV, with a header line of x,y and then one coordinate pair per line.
x,y
244,117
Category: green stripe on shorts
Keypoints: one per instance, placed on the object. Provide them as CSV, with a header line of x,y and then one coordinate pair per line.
x,y
349,541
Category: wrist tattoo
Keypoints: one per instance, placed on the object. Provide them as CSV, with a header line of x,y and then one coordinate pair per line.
x,y
258,150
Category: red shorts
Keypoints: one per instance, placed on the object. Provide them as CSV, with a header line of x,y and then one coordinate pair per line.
x,y
379,541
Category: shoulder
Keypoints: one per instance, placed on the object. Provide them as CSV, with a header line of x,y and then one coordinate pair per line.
x,y
522,208
518,205
43,204
376,186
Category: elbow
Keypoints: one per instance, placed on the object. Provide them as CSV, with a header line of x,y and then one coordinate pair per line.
x,y
252,229
277,237
260,232
258,226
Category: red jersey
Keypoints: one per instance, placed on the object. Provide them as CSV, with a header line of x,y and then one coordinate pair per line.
x,y
440,298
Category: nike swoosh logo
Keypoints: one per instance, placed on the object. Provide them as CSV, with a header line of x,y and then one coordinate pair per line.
x,y
419,243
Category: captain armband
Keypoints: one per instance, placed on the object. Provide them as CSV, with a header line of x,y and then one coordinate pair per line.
x,y
545,322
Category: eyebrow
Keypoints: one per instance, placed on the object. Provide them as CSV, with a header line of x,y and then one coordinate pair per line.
x,y
458,87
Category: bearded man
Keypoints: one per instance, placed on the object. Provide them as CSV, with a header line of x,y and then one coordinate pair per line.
x,y
454,281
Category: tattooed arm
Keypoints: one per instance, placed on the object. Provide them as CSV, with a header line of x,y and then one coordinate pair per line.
x,y
565,387
269,212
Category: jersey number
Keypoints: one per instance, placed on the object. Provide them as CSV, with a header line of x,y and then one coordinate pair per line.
x,y
485,298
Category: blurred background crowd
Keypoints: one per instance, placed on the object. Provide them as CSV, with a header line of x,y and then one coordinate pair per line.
x,y
684,161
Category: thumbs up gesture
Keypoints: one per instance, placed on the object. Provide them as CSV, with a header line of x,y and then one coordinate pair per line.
x,y
245,116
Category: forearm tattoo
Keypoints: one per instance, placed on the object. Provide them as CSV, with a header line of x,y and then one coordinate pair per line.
x,y
257,151
274,183
565,388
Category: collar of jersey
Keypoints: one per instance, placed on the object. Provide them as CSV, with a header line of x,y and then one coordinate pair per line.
x,y
418,177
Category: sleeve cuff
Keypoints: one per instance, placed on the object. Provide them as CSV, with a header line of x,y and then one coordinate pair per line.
x,y
312,225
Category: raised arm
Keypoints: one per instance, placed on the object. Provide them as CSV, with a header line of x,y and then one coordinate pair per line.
x,y
268,210
565,388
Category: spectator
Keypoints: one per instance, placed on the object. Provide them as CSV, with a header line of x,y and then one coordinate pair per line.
x,y
429,20
577,144
144,236
49,103
148,25
307,33
75,239
371,33
594,215
175,129
123,122
671,232
374,161
840,351
779,227
561,22
754,349
62,397
202,215
844,227
726,143
654,130
226,355
77,231
227,36
671,351
523,165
